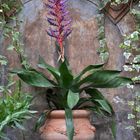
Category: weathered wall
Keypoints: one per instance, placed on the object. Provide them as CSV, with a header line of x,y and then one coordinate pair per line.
x,y
81,51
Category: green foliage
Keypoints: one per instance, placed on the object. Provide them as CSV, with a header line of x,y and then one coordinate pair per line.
x,y
15,44
72,99
14,107
102,3
68,87
69,123
103,49
131,45
8,9
118,1
3,60
34,78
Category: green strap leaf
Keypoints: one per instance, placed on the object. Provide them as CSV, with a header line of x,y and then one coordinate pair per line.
x,y
72,99
104,105
34,78
113,128
65,75
105,79
69,123
100,76
87,69
54,71
19,126
81,102
113,83
99,99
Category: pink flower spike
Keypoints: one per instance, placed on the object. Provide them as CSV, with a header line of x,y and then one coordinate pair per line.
x,y
60,22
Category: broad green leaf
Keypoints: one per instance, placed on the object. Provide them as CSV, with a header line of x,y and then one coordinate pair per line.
x,y
100,76
34,78
116,82
42,64
81,102
87,69
5,122
72,99
69,123
105,79
94,93
65,75
104,105
113,128
97,97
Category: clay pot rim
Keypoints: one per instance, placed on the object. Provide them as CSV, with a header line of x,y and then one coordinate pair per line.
x,y
76,114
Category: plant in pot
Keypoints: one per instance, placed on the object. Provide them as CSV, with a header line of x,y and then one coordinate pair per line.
x,y
70,96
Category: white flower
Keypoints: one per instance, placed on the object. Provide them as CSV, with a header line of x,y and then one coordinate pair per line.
x,y
127,68
136,67
127,42
135,33
130,86
127,55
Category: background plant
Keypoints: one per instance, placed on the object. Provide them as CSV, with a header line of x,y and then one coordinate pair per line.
x,y
14,107
103,49
131,54
9,28
14,104
102,3
8,8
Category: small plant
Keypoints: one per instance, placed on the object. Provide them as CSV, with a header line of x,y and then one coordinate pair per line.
x,y
14,107
3,60
9,8
103,49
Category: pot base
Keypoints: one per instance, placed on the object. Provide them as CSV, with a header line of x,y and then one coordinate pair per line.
x,y
55,128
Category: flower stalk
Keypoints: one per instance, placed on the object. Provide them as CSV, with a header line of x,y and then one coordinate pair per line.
x,y
60,21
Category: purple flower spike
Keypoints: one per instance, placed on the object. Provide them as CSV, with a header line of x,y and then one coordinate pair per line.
x,y
60,22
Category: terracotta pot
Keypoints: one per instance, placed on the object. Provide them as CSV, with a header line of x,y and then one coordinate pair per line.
x,y
55,127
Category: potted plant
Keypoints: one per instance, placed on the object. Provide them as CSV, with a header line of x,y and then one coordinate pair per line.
x,y
70,95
